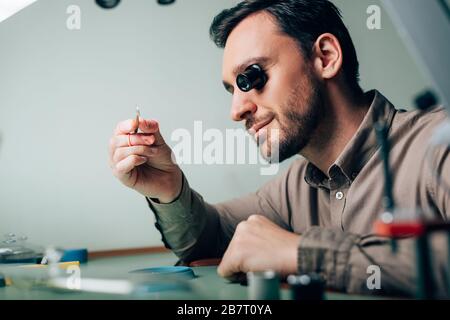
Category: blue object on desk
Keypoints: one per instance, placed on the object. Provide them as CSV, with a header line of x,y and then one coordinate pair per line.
x,y
179,272
80,255
160,279
162,286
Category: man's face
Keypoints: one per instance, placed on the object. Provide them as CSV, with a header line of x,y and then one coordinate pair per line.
x,y
290,105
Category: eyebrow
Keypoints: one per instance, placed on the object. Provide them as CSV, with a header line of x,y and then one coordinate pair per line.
x,y
257,60
242,66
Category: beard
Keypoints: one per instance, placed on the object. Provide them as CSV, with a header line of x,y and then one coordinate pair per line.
x,y
303,116
299,119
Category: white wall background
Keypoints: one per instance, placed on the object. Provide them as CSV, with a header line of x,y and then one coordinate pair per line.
x,y
62,92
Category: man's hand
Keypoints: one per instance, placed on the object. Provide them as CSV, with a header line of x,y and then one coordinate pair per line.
x,y
146,166
258,245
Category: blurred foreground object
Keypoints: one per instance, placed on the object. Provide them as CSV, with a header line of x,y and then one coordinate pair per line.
x,y
425,100
425,28
15,249
11,7
110,4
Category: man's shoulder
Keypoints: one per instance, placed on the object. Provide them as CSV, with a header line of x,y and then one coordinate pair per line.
x,y
417,120
412,131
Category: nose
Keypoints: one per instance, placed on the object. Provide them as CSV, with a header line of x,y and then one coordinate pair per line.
x,y
242,106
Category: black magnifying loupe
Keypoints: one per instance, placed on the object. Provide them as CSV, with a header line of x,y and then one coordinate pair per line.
x,y
107,4
110,4
253,77
165,2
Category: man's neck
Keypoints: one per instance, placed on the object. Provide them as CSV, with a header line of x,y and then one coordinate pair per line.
x,y
343,117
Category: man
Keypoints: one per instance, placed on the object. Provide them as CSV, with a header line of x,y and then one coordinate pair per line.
x,y
319,215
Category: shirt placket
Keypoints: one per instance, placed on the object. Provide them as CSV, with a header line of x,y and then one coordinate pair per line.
x,y
338,196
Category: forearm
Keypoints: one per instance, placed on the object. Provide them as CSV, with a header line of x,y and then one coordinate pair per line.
x,y
194,229
189,226
344,260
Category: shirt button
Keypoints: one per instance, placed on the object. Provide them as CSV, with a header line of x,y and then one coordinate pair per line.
x,y
339,195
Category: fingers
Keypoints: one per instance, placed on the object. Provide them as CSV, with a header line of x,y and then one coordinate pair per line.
x,y
146,126
125,152
229,266
152,126
125,127
236,256
128,164
232,259
130,126
139,139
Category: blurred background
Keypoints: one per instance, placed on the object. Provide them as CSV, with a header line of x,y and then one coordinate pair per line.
x,y
63,91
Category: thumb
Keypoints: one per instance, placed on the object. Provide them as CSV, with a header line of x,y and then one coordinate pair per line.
x,y
152,126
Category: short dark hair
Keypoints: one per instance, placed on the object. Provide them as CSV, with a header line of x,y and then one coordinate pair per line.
x,y
303,20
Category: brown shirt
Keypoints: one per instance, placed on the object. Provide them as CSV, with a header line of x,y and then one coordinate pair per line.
x,y
335,215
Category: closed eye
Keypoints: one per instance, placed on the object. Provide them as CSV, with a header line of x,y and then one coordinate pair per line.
x,y
228,87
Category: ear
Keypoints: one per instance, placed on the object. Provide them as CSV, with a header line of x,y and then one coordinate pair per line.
x,y
327,56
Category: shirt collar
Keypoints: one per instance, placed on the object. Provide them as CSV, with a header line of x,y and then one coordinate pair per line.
x,y
358,151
